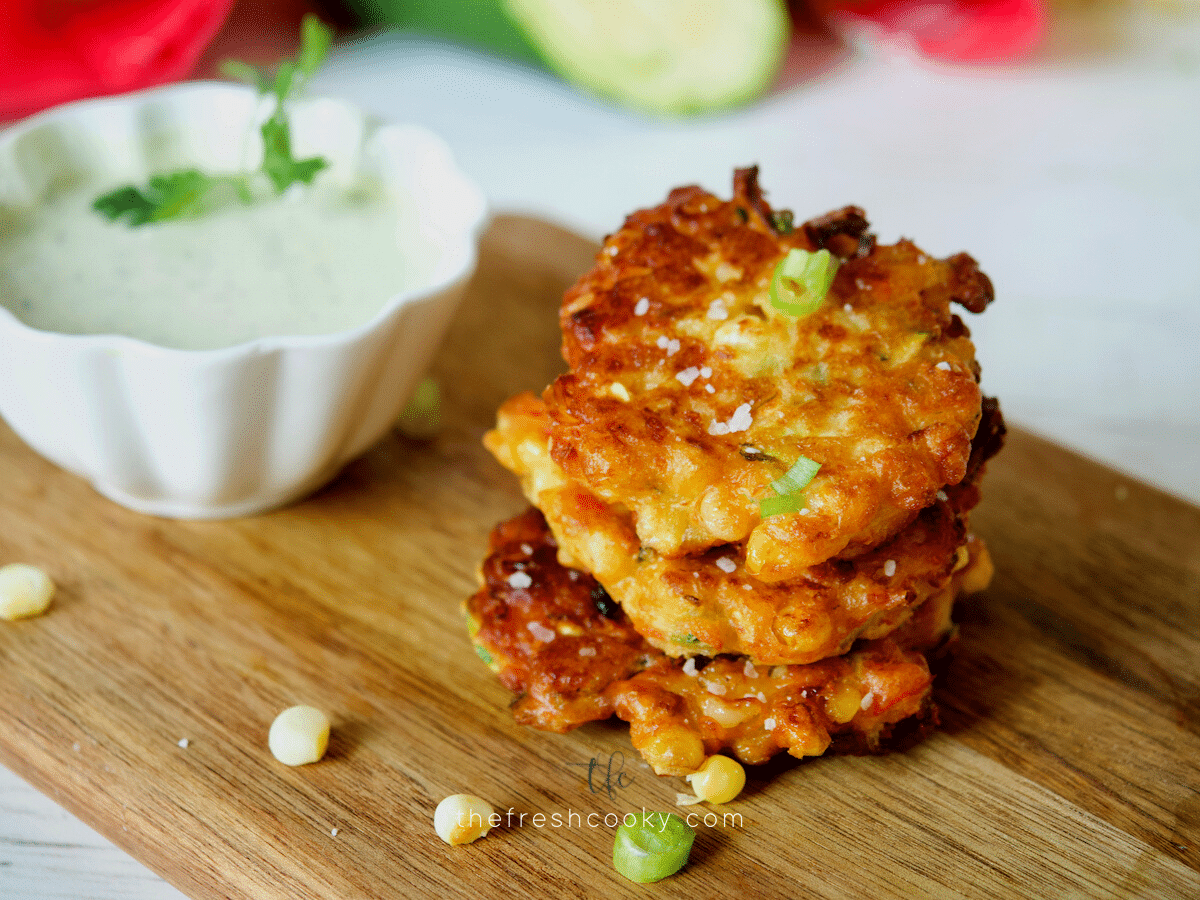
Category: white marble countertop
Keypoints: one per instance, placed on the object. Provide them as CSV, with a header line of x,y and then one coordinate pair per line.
x,y
1074,179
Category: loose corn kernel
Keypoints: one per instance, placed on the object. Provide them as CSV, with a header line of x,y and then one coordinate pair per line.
x,y
462,818
24,591
719,780
299,735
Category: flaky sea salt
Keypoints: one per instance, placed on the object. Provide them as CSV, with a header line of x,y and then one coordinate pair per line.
x,y
688,375
642,307
519,580
741,420
725,564
541,632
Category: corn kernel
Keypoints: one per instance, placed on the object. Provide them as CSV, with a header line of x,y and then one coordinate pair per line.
x,y
462,818
299,735
726,714
24,591
979,572
673,750
843,703
719,780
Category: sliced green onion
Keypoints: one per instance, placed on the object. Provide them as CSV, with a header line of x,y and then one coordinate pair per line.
x,y
482,653
781,504
789,487
421,417
802,280
797,477
656,846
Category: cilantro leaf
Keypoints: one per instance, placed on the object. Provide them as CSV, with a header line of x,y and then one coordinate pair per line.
x,y
177,195
180,195
285,77
244,72
315,40
126,202
279,164
189,192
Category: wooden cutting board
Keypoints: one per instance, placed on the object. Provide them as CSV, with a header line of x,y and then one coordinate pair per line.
x,y
1068,764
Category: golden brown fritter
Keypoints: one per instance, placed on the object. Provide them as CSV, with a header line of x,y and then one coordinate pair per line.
x,y
689,392
554,637
708,603
550,633
677,718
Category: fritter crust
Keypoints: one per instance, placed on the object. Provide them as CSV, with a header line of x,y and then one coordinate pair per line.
x,y
708,603
689,392
556,639
561,618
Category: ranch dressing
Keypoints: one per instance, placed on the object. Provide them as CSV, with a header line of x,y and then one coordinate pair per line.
x,y
319,259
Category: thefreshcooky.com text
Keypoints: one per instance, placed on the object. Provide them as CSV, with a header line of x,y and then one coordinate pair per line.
x,y
572,819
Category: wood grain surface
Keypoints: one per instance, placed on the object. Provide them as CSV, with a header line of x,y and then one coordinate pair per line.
x,y
1068,764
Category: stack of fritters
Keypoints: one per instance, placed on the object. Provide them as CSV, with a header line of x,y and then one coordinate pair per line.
x,y
648,583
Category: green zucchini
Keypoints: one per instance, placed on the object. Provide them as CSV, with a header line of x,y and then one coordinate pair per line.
x,y
668,57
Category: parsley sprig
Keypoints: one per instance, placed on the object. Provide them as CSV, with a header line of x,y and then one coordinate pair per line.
x,y
189,192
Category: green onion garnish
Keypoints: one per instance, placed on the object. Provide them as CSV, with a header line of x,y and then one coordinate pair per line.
x,y
789,488
421,416
656,846
802,280
780,504
798,476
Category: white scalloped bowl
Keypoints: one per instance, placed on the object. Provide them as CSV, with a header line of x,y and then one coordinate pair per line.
x,y
239,430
